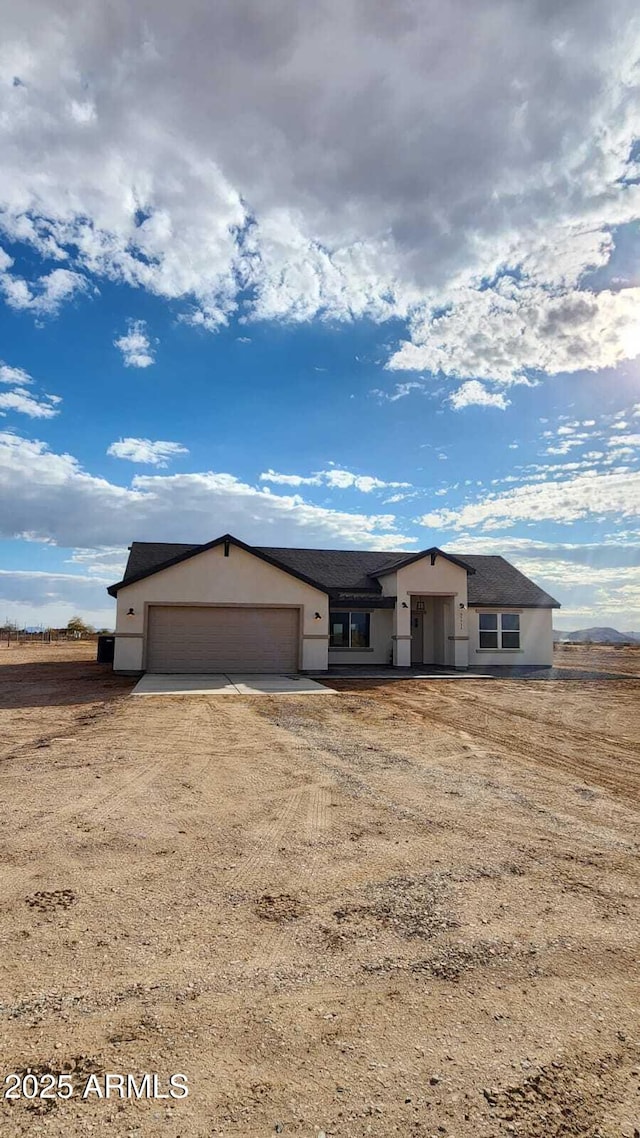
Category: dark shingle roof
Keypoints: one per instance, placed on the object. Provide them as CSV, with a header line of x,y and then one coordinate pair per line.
x,y
147,556
349,572
498,582
345,569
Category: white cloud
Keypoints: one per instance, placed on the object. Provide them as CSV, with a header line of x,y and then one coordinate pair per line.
x,y
25,403
145,451
567,500
400,391
475,394
400,497
45,295
625,440
15,375
284,155
49,600
503,332
106,564
290,479
135,345
598,583
26,585
335,478
50,497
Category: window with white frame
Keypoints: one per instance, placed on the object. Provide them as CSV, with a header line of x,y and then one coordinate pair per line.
x,y
499,629
349,629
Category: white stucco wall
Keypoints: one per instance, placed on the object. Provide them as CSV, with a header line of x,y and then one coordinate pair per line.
x,y
211,578
380,639
536,639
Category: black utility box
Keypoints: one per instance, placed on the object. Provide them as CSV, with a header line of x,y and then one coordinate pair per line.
x,y
106,645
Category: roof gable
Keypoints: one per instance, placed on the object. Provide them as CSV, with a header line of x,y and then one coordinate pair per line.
x,y
185,552
409,558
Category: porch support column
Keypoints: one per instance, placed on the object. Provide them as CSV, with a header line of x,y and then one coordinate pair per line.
x,y
402,632
460,636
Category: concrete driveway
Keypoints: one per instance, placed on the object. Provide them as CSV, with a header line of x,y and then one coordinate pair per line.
x,y
234,684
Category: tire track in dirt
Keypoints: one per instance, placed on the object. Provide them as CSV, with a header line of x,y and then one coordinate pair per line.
x,y
431,777
350,776
496,729
317,812
101,803
109,804
276,947
405,788
251,873
82,720
236,726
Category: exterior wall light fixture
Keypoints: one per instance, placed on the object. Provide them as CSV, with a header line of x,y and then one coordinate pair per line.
x,y
462,605
316,616
404,605
131,612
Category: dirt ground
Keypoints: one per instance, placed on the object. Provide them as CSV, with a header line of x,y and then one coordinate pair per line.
x,y
411,909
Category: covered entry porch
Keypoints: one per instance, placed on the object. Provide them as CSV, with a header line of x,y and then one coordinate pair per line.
x,y
431,626
430,630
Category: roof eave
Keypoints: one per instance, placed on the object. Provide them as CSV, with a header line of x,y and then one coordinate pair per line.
x,y
550,604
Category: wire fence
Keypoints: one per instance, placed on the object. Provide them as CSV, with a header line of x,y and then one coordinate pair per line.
x,y
17,636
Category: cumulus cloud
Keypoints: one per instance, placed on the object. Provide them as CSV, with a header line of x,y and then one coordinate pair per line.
x,y
505,332
50,497
338,160
475,394
626,440
44,295
335,478
145,451
135,345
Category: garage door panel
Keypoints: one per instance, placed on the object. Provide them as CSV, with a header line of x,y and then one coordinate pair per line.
x,y
182,638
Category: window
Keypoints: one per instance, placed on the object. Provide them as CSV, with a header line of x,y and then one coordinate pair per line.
x,y
510,629
488,630
349,629
499,630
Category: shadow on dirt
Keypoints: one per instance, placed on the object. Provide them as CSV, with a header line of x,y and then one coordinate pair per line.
x,y
54,683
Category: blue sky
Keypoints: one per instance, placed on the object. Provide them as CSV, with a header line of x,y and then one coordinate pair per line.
x,y
249,282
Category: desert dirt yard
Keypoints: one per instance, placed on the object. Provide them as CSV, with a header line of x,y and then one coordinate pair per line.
x,y
411,909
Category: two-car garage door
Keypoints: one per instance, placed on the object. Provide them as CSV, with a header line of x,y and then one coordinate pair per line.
x,y
201,638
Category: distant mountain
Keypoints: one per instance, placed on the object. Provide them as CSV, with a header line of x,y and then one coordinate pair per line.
x,y
596,636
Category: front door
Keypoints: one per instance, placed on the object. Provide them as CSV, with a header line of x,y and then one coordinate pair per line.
x,y
417,637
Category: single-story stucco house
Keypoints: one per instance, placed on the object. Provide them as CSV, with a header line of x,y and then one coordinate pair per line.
x,y
230,607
